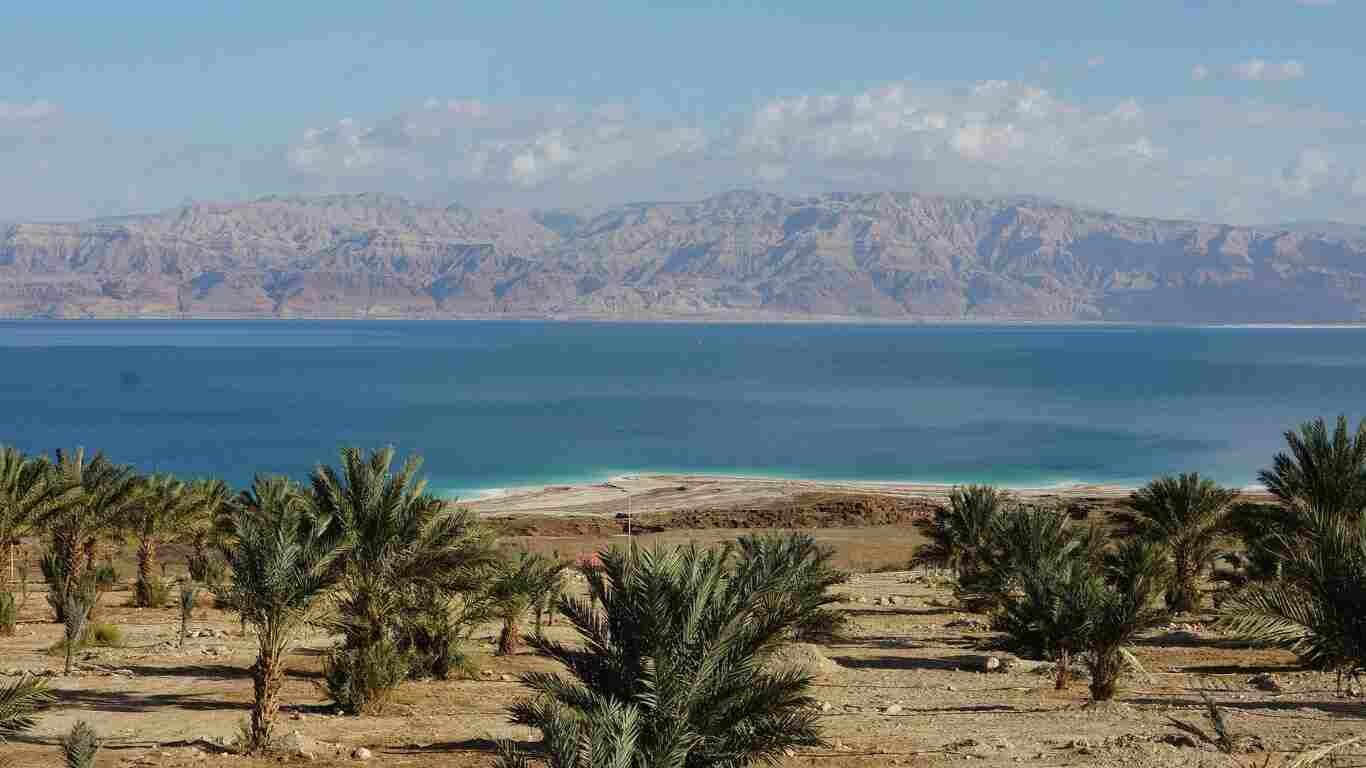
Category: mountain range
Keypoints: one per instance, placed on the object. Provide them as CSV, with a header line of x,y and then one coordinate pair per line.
x,y
737,256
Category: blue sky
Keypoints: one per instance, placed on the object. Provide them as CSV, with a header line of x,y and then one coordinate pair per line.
x,y
1248,112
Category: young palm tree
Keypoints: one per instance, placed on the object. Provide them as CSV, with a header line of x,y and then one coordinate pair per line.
x,y
671,669
1324,472
1134,574
1024,540
1048,615
961,534
1186,515
518,586
281,573
26,496
166,510
98,494
394,542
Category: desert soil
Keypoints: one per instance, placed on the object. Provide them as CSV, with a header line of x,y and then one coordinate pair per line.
x,y
906,687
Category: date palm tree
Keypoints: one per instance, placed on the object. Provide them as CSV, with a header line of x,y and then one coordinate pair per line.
x,y
26,496
518,586
1317,609
960,534
282,570
1321,471
166,509
1186,515
671,669
206,527
97,495
19,703
395,541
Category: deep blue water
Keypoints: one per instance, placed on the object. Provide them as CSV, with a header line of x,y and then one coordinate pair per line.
x,y
496,404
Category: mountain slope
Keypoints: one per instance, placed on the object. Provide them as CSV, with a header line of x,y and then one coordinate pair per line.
x,y
735,256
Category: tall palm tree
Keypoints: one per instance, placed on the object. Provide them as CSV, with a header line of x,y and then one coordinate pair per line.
x,y
671,669
395,541
98,494
960,535
26,496
1321,471
1186,515
281,573
166,510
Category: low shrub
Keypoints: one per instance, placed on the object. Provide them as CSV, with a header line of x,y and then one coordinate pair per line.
x,y
80,746
360,680
93,636
158,595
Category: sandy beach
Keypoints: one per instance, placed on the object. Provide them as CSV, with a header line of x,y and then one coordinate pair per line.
x,y
652,493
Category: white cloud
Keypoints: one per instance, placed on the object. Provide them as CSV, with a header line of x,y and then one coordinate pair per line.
x,y
26,112
1212,157
1269,71
1254,70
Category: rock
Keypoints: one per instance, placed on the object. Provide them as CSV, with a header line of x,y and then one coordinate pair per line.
x,y
361,753
1265,681
877,601
951,688
893,600
894,709
1184,740
805,657
122,673
506,678
987,663
826,707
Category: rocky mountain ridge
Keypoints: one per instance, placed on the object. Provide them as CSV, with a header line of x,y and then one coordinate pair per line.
x,y
736,256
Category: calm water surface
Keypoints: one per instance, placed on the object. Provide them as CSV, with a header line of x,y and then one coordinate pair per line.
x,y
494,404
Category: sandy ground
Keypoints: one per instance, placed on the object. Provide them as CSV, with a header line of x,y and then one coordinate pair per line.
x,y
667,493
905,688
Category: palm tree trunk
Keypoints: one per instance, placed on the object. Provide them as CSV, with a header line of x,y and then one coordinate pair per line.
x,y
147,561
267,676
508,639
1064,664
1185,595
9,563
1105,675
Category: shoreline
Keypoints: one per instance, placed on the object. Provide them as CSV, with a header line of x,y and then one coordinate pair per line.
x,y
644,493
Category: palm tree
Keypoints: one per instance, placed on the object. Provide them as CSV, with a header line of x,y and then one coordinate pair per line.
x,y
1318,607
520,585
19,701
25,496
1323,472
205,528
806,569
671,669
98,494
1186,515
1024,540
1123,609
281,573
960,534
166,510
395,541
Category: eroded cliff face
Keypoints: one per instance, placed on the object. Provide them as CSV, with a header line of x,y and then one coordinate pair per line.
x,y
735,256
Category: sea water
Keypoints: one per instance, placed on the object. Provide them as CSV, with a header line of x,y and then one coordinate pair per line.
x,y
500,404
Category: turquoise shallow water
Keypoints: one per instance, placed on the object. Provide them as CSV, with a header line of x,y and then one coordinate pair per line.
x,y
498,404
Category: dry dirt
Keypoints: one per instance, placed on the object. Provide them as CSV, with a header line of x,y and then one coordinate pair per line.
x,y
905,688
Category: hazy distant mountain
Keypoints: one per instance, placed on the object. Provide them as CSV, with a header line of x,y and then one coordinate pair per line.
x,y
735,256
